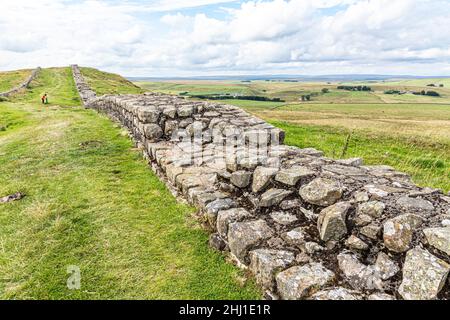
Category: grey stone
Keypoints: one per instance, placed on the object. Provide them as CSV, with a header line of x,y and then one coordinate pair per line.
x,y
380,296
273,197
241,179
331,223
424,275
295,237
415,205
185,111
439,238
312,247
261,177
372,208
371,231
338,293
265,263
169,111
225,217
301,281
150,115
398,232
358,275
385,267
321,191
212,209
216,242
356,243
361,196
283,218
362,220
292,175
243,236
152,131
290,204
351,162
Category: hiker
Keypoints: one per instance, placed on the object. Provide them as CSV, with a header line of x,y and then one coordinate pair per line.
x,y
44,99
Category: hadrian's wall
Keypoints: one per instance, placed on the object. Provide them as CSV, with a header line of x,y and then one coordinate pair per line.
x,y
23,85
306,226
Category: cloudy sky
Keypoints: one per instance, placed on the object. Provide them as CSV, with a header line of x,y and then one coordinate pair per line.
x,y
218,37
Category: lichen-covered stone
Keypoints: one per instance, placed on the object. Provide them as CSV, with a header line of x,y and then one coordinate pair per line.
x,y
152,131
331,222
373,209
241,179
283,218
292,175
398,232
371,230
301,281
243,236
321,191
417,205
439,238
273,197
338,293
265,263
295,237
385,267
261,177
356,243
225,217
424,275
357,274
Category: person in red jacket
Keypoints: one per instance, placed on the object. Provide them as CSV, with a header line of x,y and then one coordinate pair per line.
x,y
44,99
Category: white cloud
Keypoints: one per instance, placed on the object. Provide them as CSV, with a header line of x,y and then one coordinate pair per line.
x,y
296,36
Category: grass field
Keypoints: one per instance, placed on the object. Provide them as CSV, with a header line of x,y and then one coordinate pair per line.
x,y
409,132
91,201
12,79
108,83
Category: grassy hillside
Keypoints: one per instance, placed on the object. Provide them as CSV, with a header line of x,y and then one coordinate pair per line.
x,y
91,201
108,83
12,79
409,132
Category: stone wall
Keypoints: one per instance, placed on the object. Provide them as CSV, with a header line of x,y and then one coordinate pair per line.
x,y
23,85
85,92
306,226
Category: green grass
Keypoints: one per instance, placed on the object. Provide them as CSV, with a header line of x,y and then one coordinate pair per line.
x,y
93,202
11,79
109,83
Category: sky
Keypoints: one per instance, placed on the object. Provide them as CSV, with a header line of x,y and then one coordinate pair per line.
x,y
158,38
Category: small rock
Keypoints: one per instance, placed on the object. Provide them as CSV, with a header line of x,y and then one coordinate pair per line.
x,y
331,222
225,217
380,296
152,131
356,243
283,218
265,263
361,196
356,162
439,238
295,237
362,220
398,232
424,275
302,258
213,208
241,179
13,197
415,205
309,214
242,236
261,177
216,242
336,294
273,197
358,275
372,208
300,281
321,191
385,267
290,204
292,175
312,247
371,231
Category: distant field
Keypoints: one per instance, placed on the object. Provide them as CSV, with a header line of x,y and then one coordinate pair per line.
x,y
409,132
291,92
11,79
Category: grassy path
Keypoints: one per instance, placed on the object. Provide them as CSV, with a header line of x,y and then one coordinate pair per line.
x,y
92,202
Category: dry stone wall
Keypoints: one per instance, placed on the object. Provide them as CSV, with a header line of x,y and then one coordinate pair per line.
x,y
85,92
23,85
306,226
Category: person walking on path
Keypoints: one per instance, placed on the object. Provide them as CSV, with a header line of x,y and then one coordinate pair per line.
x,y
44,99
